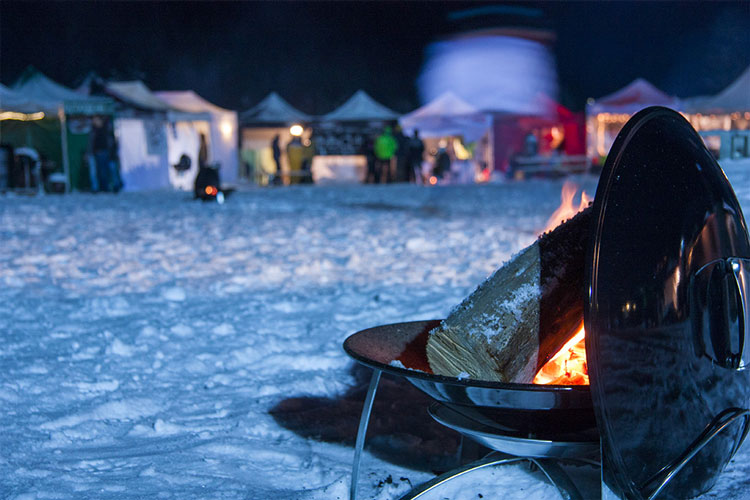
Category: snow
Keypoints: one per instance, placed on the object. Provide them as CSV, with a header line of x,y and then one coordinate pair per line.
x,y
146,338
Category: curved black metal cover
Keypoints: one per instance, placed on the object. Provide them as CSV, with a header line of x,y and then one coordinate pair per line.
x,y
664,316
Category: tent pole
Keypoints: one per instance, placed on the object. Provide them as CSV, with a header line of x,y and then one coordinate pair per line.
x,y
64,139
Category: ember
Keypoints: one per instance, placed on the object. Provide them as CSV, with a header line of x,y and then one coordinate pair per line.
x,y
568,366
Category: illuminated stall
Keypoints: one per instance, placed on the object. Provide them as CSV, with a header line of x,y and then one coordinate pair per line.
x,y
56,135
153,137
259,125
223,130
723,120
451,121
606,116
341,136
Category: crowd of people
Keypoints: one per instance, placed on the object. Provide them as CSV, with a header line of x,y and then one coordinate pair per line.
x,y
393,157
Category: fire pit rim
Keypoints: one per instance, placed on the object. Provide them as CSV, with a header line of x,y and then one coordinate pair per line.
x,y
442,379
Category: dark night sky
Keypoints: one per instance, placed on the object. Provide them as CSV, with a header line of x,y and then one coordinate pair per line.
x,y
317,54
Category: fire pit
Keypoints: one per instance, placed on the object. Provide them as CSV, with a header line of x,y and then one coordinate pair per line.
x,y
666,321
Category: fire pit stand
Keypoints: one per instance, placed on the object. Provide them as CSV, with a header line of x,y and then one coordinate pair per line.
x,y
481,411
548,466
667,320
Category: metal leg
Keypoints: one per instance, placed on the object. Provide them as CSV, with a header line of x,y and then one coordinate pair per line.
x,y
489,461
654,485
558,477
364,420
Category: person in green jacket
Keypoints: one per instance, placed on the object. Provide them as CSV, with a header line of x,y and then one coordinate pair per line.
x,y
385,149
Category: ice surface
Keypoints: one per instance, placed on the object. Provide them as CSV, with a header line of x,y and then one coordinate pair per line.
x,y
145,337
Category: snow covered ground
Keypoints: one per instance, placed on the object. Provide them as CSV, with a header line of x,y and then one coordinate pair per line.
x,y
156,347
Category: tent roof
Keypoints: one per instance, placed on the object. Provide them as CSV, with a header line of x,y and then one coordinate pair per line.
x,y
273,109
11,100
635,96
736,97
447,115
448,104
361,107
137,94
37,87
187,100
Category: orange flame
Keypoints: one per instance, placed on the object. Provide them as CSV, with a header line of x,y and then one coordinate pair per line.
x,y
567,208
568,365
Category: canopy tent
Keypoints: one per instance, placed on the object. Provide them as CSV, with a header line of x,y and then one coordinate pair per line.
x,y
36,86
632,98
223,129
260,124
16,102
273,110
361,108
153,135
448,115
734,98
606,116
44,92
723,120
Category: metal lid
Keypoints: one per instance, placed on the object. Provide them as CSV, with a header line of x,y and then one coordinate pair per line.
x,y
665,312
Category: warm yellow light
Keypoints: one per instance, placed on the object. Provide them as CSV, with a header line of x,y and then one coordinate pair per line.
x,y
12,115
433,180
296,130
226,130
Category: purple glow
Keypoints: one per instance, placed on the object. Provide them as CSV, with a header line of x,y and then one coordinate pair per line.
x,y
493,73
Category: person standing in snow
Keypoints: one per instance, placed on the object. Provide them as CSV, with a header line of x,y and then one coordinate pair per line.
x,y
295,153
368,149
276,149
416,151
402,155
385,148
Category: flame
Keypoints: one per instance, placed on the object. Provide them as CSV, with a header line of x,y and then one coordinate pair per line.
x,y
568,365
567,208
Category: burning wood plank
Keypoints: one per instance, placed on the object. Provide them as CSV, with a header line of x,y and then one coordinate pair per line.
x,y
521,315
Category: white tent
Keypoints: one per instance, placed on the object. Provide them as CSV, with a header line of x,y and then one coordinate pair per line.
x,y
734,98
273,110
448,115
361,108
223,129
724,119
153,135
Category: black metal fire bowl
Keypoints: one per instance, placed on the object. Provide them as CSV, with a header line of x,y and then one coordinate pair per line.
x,y
522,410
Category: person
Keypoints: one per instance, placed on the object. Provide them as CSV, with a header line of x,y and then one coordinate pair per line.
x,y
368,149
203,152
442,160
530,145
99,145
295,153
402,155
416,151
385,148
308,154
207,183
114,165
276,159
